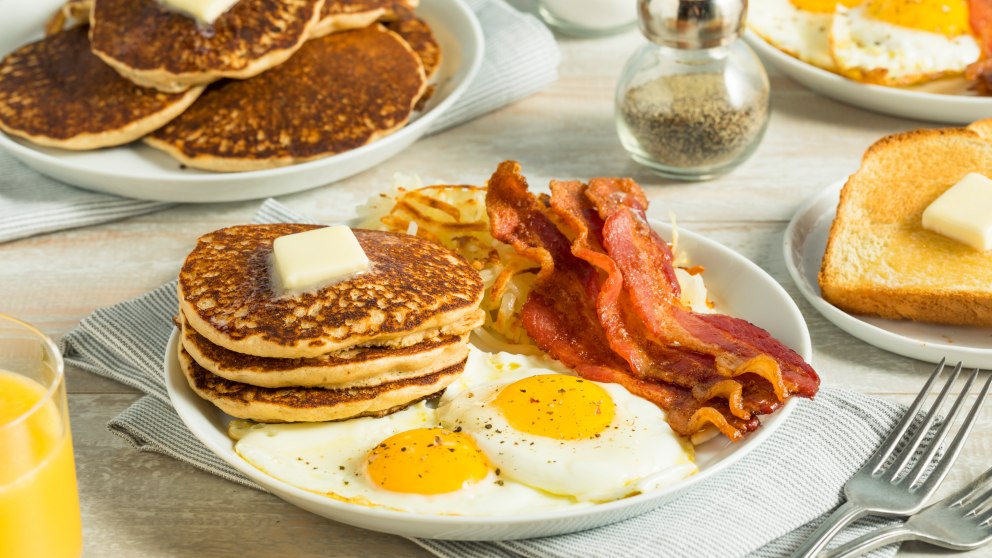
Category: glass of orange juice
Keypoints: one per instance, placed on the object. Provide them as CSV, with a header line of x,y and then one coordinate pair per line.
x,y
39,502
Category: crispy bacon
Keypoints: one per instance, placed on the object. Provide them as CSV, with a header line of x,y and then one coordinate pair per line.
x,y
560,313
623,329
980,18
739,347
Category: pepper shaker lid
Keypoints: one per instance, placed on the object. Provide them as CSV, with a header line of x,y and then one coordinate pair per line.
x,y
692,24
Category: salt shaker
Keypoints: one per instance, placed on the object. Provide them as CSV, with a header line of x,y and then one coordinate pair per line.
x,y
693,103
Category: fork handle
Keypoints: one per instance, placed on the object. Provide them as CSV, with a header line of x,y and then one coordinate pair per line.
x,y
840,518
871,541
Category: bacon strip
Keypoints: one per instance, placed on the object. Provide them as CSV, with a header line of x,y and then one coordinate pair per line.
x,y
980,19
645,260
560,314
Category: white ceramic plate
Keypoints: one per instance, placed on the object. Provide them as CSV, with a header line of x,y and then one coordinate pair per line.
x,y
139,171
737,286
946,101
805,242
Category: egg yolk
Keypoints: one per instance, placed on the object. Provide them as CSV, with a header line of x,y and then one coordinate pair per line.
x,y
556,406
823,6
426,461
946,17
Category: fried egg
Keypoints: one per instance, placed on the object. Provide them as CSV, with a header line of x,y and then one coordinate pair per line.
x,y
562,434
902,42
800,28
402,461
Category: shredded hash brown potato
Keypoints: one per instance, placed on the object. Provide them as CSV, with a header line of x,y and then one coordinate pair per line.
x,y
455,217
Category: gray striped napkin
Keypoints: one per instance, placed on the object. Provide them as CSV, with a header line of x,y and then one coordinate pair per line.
x,y
762,506
521,58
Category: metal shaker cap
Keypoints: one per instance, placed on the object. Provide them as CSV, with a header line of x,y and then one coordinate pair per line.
x,y
691,24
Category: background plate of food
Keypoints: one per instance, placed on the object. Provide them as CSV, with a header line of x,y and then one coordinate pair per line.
x,y
262,136
805,242
339,479
905,59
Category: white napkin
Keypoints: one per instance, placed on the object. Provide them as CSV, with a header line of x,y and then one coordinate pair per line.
x,y
762,506
521,58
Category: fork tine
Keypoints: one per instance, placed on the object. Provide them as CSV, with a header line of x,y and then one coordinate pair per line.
x,y
967,495
938,438
952,451
892,441
924,429
982,504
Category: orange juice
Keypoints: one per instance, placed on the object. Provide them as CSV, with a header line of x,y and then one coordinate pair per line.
x,y
39,503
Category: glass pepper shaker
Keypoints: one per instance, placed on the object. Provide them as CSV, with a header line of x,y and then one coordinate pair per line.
x,y
693,103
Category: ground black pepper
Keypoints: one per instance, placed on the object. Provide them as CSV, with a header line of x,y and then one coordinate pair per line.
x,y
692,120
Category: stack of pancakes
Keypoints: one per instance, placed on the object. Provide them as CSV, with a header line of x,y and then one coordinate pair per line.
x,y
269,83
364,346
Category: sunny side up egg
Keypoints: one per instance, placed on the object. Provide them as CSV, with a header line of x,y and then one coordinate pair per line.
x,y
605,442
800,28
903,42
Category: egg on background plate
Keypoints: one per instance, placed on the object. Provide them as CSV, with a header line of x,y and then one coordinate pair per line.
x,y
902,42
488,448
800,28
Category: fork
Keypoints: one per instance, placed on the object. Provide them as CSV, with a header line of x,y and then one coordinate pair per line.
x,y
962,521
892,483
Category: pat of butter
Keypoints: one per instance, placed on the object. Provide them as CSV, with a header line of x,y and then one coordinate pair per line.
x,y
964,212
206,11
318,256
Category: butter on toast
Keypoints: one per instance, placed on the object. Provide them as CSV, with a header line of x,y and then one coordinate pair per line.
x,y
880,260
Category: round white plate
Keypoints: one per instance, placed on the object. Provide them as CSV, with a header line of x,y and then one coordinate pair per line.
x,y
805,242
946,101
139,171
738,287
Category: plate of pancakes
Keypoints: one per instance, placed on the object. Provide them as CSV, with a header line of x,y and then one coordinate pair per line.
x,y
272,98
905,59
413,343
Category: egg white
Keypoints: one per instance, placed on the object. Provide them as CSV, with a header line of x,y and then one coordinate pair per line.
x,y
329,458
799,33
638,452
879,52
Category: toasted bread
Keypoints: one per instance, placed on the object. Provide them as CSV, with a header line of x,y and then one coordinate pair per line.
x,y
880,261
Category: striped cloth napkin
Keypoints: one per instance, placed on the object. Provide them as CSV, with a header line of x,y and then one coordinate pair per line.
x,y
521,58
763,506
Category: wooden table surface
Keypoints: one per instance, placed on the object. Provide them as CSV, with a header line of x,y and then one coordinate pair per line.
x,y
142,504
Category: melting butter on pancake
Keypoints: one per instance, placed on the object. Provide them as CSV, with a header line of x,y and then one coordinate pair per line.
x,y
155,47
55,92
311,404
414,290
354,367
337,93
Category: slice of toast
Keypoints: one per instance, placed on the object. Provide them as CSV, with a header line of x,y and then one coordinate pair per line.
x,y
880,260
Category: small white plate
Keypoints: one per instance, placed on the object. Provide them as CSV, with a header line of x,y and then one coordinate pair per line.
x,y
805,242
738,287
947,101
138,171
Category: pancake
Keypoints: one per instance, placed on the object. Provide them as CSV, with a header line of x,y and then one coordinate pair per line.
x,y
70,14
342,15
420,37
355,367
55,92
336,93
170,51
311,404
414,290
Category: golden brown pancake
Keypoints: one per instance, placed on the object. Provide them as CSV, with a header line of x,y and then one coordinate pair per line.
x,y
354,367
342,15
419,36
170,51
414,289
73,13
336,93
55,92
311,404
